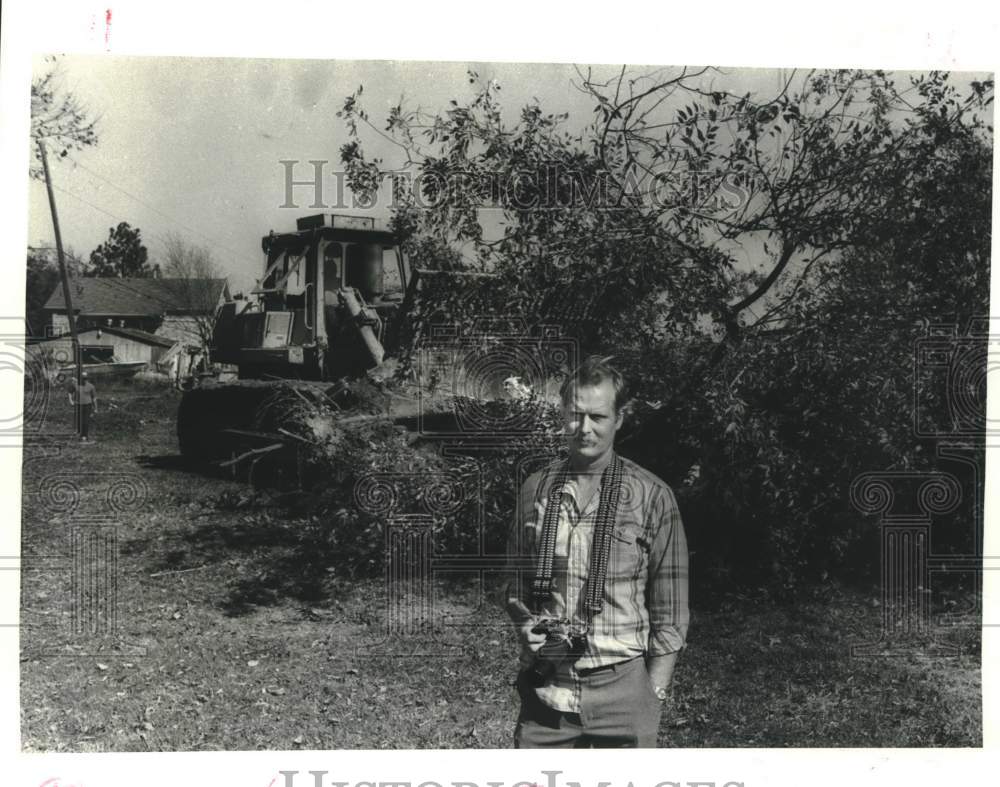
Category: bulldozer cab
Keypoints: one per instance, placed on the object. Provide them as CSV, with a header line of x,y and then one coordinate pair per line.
x,y
331,253
329,294
374,269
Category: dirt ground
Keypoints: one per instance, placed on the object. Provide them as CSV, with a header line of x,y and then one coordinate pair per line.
x,y
228,637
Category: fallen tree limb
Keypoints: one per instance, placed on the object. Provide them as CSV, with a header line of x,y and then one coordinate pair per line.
x,y
295,436
181,570
253,452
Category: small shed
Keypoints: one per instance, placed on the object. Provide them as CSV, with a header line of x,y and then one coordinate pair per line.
x,y
106,345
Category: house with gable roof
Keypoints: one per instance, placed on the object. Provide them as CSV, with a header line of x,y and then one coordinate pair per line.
x,y
176,309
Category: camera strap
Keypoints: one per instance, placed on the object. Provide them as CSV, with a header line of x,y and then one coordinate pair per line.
x,y
600,548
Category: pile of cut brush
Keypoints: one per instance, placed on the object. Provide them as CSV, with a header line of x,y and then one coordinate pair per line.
x,y
349,463
362,474
327,432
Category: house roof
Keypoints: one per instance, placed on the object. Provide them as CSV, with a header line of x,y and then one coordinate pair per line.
x,y
140,336
139,297
135,334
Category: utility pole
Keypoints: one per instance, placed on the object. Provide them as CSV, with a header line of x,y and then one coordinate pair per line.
x,y
64,275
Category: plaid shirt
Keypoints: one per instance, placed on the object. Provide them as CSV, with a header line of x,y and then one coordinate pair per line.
x,y
646,592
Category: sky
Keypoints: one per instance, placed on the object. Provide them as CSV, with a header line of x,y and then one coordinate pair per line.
x,y
192,146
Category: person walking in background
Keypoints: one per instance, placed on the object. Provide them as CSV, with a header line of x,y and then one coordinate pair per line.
x,y
84,397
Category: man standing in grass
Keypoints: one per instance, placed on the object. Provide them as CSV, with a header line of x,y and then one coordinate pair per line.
x,y
84,397
605,613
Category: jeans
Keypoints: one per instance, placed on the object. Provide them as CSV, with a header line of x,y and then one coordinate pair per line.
x,y
618,709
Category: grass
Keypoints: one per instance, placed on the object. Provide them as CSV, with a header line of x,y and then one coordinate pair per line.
x,y
233,637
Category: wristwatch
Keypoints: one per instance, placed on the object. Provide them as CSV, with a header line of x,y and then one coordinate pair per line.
x,y
661,693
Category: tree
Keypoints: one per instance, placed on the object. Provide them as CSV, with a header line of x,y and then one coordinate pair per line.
x,y
41,280
825,384
122,255
58,118
191,270
648,209
863,206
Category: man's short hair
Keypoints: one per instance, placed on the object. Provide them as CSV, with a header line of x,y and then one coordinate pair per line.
x,y
594,370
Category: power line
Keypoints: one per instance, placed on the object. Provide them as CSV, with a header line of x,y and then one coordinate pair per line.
x,y
173,219
110,215
120,281
156,236
235,256
86,202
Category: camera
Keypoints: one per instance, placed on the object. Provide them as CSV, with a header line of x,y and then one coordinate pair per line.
x,y
564,642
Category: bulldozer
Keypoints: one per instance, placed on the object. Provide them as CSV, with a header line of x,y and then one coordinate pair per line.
x,y
328,307
336,300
